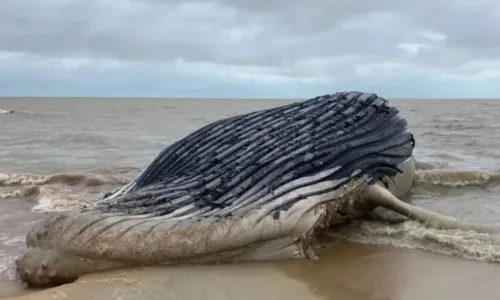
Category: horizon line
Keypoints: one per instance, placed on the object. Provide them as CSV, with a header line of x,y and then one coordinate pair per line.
x,y
228,98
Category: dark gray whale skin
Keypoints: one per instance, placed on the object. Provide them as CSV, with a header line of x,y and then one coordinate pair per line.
x,y
246,157
249,187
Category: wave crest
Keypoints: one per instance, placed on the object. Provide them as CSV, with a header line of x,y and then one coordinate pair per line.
x,y
452,178
413,235
63,191
11,111
64,178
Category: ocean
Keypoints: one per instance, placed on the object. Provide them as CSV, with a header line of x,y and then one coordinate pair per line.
x,y
58,153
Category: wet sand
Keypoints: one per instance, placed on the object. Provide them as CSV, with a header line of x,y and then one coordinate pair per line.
x,y
344,271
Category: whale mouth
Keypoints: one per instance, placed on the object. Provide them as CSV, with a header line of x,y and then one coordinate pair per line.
x,y
257,186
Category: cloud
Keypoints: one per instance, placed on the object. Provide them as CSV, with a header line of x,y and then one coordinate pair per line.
x,y
272,48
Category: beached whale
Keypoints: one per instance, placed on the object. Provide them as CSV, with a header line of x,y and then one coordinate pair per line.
x,y
256,186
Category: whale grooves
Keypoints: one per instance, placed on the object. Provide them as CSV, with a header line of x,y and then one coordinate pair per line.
x,y
256,186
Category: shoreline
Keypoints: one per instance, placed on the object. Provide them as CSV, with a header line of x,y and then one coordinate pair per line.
x,y
344,271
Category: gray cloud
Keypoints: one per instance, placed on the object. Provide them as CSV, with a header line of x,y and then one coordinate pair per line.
x,y
281,37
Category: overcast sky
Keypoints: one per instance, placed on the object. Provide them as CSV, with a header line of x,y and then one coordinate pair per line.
x,y
249,48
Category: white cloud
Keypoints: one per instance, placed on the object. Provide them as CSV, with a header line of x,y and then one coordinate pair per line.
x,y
433,36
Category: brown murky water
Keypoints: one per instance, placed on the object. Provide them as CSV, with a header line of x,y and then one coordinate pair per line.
x,y
57,153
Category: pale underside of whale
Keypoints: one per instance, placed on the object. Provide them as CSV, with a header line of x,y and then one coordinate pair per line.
x,y
259,186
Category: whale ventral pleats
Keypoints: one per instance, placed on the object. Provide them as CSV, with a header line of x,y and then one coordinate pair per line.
x,y
230,164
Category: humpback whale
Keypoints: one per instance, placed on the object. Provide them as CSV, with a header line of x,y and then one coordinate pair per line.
x,y
256,186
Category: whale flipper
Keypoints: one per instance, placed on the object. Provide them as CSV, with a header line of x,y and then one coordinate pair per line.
x,y
381,196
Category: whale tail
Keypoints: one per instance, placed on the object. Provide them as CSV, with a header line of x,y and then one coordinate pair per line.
x,y
382,197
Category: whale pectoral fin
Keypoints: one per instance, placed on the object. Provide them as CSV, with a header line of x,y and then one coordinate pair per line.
x,y
384,198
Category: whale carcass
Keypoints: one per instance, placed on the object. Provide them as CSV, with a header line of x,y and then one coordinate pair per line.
x,y
256,186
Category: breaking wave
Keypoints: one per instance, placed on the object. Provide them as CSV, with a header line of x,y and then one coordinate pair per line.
x,y
10,111
27,112
66,179
65,191
453,178
414,235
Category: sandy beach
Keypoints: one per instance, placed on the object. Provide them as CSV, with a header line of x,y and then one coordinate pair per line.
x,y
354,272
